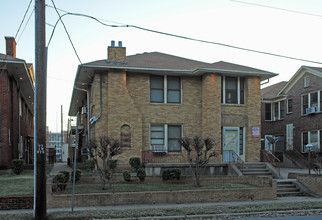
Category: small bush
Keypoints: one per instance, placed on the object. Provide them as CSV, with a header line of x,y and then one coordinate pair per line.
x,y
68,161
135,162
17,166
141,174
171,174
59,182
90,165
113,164
77,175
66,175
127,176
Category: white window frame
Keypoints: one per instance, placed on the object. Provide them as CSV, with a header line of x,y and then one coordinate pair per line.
x,y
289,136
238,91
309,140
303,111
165,91
165,136
306,80
273,116
287,112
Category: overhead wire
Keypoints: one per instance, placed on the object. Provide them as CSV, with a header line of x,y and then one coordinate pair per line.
x,y
183,37
23,19
277,8
23,30
70,40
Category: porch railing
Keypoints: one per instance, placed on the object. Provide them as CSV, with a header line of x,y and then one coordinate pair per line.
x,y
231,157
269,157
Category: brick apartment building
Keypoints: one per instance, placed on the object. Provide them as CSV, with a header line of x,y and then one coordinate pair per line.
x,y
291,113
16,107
150,100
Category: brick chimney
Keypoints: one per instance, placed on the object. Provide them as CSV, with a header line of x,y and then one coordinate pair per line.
x,y
11,46
116,54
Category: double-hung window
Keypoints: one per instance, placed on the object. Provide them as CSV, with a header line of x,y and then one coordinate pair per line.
x,y
311,137
232,90
311,102
165,137
165,89
289,106
274,111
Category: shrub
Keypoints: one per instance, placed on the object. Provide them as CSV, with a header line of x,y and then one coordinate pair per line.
x,y
17,166
113,164
171,174
127,176
59,182
68,161
135,162
141,174
90,165
77,175
66,175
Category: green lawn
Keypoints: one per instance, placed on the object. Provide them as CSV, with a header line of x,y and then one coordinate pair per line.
x,y
23,184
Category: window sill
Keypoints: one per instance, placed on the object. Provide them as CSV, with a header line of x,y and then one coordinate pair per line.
x,y
162,103
233,105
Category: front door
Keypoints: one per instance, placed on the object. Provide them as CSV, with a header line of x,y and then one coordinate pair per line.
x,y
289,137
230,143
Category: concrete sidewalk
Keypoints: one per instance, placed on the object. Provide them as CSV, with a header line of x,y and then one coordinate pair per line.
x,y
60,167
295,199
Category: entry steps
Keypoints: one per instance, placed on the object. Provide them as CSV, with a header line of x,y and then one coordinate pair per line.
x,y
288,188
257,169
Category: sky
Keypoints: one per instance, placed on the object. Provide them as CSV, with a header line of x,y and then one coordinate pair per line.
x,y
294,31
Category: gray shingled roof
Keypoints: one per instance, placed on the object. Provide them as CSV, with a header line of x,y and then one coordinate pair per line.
x,y
272,91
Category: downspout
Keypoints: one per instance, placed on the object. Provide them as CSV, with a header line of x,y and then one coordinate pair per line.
x,y
88,155
19,121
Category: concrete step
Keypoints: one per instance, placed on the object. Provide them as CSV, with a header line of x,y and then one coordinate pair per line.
x,y
287,188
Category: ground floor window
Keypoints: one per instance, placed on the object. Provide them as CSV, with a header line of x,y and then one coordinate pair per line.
x,y
311,137
165,137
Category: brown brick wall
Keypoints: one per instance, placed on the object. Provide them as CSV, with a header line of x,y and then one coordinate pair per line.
x,y
16,202
301,123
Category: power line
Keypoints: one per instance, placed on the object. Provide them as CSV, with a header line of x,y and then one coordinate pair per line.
x,y
23,30
276,8
23,18
184,37
60,18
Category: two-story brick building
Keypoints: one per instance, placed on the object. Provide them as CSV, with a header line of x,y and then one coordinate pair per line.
x,y
16,107
291,112
150,100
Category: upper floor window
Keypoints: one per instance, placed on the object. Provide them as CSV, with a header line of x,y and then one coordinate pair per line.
x,y
289,105
232,90
165,89
311,103
274,111
306,81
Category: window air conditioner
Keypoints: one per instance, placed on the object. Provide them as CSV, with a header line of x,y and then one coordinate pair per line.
x,y
310,110
84,110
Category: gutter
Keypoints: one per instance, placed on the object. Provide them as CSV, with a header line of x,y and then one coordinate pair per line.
x,y
197,71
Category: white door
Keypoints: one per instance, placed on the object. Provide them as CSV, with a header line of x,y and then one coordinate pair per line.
x,y
268,145
289,137
230,143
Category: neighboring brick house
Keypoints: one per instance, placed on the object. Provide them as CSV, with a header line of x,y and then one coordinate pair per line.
x,y
291,112
150,100
16,107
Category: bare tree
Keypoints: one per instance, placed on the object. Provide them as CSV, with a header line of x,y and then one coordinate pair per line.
x,y
202,150
104,150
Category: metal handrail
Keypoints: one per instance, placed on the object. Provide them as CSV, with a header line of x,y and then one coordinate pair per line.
x,y
236,159
269,157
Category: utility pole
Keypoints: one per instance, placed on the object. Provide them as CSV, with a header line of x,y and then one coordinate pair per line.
x,y
40,110
62,134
